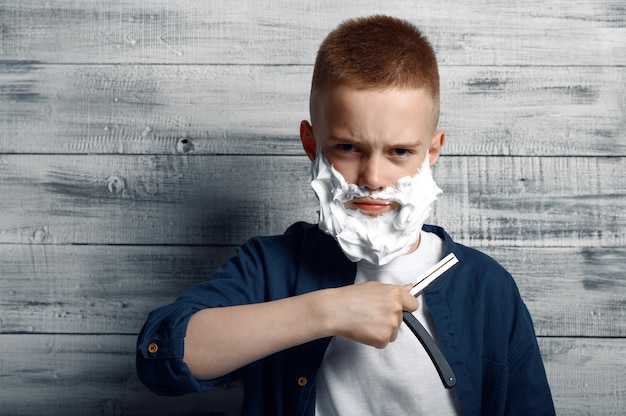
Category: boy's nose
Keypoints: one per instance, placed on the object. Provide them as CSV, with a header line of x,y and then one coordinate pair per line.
x,y
372,174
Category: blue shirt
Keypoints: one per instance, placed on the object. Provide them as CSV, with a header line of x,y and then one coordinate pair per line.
x,y
484,328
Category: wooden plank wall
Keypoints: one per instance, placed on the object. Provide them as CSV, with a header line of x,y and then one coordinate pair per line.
x,y
141,140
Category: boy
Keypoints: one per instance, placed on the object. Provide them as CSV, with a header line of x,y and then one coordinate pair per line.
x,y
311,321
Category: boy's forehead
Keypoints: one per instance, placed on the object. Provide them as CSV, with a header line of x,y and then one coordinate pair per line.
x,y
326,103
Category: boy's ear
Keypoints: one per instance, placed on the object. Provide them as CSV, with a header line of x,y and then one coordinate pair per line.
x,y
435,146
308,140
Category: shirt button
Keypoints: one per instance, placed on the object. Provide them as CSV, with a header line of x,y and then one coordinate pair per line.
x,y
302,381
153,348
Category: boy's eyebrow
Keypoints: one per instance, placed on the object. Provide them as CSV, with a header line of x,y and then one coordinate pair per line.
x,y
399,145
338,139
343,139
406,145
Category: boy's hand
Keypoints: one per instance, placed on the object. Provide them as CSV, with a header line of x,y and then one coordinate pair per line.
x,y
369,313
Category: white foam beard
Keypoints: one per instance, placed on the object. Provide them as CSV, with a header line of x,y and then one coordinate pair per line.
x,y
376,239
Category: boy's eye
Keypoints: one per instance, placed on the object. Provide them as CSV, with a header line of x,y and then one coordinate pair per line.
x,y
400,152
346,147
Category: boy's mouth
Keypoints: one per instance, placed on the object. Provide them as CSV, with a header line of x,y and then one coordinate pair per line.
x,y
372,207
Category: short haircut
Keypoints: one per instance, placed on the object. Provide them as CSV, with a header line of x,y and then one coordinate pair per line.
x,y
376,52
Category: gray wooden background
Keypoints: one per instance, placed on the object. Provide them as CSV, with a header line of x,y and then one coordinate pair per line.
x,y
142,140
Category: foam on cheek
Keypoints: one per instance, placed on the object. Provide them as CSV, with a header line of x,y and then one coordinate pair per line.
x,y
376,239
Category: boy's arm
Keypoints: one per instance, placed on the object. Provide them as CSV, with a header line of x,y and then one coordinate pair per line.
x,y
221,340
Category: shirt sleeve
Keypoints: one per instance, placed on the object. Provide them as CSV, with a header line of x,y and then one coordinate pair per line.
x,y
160,350
160,345
528,390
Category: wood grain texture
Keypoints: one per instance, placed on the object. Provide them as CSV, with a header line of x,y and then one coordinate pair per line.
x,y
95,289
488,201
89,375
111,289
586,375
141,140
157,109
94,375
273,32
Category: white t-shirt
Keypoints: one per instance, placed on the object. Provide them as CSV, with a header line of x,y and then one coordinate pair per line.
x,y
400,379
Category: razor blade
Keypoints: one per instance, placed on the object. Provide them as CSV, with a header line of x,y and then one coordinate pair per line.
x,y
433,273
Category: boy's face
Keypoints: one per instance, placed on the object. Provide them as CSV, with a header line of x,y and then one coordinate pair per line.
x,y
373,137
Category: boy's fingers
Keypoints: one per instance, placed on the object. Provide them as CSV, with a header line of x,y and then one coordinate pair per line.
x,y
409,302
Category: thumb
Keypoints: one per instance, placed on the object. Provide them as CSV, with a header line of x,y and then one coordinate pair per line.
x,y
409,302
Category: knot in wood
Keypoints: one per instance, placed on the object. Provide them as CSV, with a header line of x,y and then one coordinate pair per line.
x,y
185,145
40,236
115,185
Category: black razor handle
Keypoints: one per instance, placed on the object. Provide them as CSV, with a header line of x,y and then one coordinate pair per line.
x,y
436,355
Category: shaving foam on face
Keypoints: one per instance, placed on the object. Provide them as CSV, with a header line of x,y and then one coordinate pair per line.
x,y
376,239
